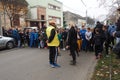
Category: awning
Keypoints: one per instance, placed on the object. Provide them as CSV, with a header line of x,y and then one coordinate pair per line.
x,y
37,20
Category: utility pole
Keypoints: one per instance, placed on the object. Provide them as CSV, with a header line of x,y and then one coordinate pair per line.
x,y
86,17
86,10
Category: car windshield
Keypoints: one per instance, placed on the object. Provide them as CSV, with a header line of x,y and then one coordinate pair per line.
x,y
30,28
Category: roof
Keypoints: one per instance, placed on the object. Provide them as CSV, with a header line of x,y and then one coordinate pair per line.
x,y
77,15
58,1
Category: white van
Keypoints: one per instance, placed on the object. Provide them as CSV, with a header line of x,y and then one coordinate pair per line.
x,y
29,28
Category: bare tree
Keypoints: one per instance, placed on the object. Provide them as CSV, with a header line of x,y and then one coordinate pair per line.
x,y
112,6
101,2
109,3
14,8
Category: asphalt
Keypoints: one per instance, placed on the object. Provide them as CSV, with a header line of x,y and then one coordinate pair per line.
x,y
32,64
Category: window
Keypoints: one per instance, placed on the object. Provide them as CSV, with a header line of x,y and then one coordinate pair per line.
x,y
50,6
57,8
42,17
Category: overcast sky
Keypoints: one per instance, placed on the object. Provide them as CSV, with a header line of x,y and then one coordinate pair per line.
x,y
92,7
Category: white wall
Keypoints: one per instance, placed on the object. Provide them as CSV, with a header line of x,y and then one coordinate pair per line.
x,y
49,12
33,13
81,22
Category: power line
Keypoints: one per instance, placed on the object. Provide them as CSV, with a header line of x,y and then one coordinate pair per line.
x,y
83,3
73,9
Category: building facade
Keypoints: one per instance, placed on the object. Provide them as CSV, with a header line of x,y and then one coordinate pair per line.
x,y
14,16
36,17
72,17
41,11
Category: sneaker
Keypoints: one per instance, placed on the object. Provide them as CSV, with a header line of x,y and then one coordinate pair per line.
x,y
56,65
39,47
52,66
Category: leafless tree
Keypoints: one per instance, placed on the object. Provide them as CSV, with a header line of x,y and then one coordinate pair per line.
x,y
112,6
14,8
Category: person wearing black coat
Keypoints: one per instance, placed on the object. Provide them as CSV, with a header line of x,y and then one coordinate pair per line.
x,y
72,43
98,43
107,39
99,27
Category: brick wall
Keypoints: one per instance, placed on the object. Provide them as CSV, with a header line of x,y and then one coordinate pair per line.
x,y
41,11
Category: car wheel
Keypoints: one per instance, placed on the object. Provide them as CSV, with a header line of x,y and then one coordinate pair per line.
x,y
10,45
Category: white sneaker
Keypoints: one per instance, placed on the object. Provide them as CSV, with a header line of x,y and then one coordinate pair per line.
x,y
52,66
38,46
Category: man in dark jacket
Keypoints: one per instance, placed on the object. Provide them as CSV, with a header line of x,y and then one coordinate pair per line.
x,y
99,27
98,43
72,43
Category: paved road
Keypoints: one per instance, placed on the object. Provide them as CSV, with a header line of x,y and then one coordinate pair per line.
x,y
32,64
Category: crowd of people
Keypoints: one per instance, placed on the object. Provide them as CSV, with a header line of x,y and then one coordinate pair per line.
x,y
74,39
27,38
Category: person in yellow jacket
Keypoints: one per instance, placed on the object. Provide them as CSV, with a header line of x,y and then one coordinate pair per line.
x,y
53,43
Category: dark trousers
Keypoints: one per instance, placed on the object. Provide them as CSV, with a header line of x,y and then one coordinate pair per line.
x,y
106,48
88,47
61,44
112,40
31,42
53,54
35,43
118,55
98,49
22,43
28,41
72,52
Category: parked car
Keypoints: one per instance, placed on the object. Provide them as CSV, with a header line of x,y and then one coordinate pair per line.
x,y
30,28
6,42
